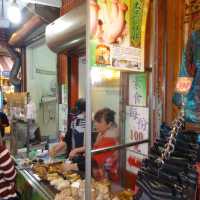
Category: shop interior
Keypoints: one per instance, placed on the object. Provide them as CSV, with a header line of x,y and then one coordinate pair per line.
x,y
102,98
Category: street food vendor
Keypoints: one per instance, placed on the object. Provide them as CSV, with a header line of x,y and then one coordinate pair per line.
x,y
103,164
74,137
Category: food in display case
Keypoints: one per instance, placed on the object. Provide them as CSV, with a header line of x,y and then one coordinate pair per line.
x,y
100,191
41,170
64,194
124,195
53,176
70,185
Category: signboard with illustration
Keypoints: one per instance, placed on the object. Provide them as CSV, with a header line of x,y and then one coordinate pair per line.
x,y
117,33
138,89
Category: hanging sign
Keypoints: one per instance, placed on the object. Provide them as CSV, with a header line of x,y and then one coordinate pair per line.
x,y
137,124
134,156
117,33
138,89
183,84
137,129
63,117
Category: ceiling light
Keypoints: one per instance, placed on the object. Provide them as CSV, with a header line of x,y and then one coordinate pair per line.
x,y
14,13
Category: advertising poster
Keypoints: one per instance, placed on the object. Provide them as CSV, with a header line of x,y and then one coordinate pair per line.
x,y
138,89
116,35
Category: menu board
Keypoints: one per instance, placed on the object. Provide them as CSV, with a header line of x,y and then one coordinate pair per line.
x,y
138,89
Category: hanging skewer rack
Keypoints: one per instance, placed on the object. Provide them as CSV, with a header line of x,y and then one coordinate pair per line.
x,y
177,125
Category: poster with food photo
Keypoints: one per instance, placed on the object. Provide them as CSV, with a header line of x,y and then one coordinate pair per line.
x,y
113,26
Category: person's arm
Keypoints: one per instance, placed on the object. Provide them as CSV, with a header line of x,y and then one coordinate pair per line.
x,y
6,165
76,152
57,148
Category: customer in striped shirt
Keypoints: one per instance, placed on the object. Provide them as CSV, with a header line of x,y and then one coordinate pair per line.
x,y
7,175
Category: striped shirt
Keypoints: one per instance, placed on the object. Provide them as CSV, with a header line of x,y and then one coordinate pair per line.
x,y
7,175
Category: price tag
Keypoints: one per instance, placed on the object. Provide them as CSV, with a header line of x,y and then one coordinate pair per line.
x,y
183,84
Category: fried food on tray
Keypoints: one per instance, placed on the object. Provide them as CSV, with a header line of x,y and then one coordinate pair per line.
x,y
46,169
67,173
72,177
52,176
53,168
64,194
125,195
40,170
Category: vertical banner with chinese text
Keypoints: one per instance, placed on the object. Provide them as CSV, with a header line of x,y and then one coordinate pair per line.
x,y
136,129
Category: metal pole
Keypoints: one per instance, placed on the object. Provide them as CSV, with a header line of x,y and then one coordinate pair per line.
x,y
117,147
88,112
28,136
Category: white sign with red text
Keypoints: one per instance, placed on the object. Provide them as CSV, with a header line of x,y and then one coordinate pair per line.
x,y
135,156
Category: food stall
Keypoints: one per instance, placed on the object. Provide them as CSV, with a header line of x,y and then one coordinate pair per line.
x,y
118,58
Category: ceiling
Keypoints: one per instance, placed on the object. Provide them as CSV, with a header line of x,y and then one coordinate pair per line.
x,y
47,10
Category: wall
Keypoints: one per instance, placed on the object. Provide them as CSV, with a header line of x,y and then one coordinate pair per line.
x,y
41,76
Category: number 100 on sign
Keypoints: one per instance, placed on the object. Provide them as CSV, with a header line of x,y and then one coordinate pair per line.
x,y
137,124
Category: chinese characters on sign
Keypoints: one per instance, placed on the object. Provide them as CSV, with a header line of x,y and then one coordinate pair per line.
x,y
137,129
137,123
137,89
136,21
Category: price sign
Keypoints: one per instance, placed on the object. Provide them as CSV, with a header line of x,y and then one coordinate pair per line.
x,y
137,124
183,84
133,159
137,89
